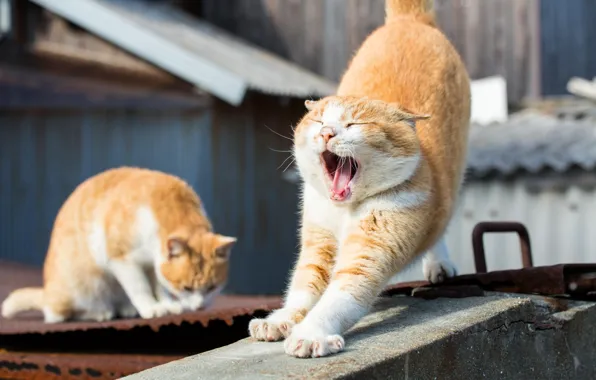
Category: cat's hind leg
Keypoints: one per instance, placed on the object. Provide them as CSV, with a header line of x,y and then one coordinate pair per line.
x,y
57,307
436,264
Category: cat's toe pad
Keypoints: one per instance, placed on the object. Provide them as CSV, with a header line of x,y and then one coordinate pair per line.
x,y
154,311
437,271
269,330
315,346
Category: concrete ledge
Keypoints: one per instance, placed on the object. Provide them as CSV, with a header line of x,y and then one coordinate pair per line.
x,y
498,336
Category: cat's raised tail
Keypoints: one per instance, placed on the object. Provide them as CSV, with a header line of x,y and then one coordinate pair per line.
x,y
416,8
24,299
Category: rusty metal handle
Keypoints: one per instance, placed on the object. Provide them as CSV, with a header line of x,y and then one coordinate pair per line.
x,y
478,243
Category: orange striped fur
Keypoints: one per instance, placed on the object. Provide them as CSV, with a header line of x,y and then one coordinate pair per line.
x,y
128,242
382,163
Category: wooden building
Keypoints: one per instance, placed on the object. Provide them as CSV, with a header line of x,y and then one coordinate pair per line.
x,y
537,45
86,85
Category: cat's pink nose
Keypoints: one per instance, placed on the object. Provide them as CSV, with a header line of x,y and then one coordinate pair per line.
x,y
327,133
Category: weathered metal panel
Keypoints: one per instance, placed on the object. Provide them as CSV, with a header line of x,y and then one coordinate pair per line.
x,y
227,159
567,42
45,155
558,223
497,37
250,184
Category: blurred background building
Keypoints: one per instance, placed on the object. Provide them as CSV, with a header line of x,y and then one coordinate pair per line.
x,y
204,88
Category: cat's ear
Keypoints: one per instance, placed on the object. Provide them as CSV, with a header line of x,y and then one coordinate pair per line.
x,y
224,246
405,115
310,104
412,119
176,247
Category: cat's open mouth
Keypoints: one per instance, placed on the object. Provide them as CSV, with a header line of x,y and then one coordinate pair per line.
x,y
340,171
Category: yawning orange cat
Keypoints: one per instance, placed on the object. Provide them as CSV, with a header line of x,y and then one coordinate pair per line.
x,y
128,242
381,163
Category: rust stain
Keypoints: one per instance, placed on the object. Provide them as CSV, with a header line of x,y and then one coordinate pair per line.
x,y
113,349
22,365
225,308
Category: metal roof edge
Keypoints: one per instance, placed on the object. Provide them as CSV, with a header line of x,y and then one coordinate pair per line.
x,y
135,39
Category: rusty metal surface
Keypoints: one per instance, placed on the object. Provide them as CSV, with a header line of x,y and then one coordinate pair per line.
x,y
33,366
500,227
225,308
577,281
31,349
224,322
160,340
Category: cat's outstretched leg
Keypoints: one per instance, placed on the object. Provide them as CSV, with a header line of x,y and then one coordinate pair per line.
x,y
368,257
436,264
309,280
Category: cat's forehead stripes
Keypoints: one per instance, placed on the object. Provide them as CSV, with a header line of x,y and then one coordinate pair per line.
x,y
335,113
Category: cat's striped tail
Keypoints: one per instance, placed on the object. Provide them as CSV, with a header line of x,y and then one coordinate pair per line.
x,y
417,8
24,299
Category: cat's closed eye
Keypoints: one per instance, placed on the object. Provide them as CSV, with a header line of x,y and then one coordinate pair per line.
x,y
348,125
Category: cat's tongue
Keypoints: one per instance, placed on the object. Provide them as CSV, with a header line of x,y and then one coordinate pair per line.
x,y
343,175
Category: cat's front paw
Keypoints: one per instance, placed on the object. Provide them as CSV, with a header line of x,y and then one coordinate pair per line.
x,y
437,271
156,310
173,307
193,302
307,342
270,330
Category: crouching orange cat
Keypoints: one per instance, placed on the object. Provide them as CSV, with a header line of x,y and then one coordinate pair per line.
x,y
128,242
382,163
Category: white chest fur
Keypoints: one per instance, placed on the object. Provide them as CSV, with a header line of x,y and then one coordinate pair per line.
x,y
323,212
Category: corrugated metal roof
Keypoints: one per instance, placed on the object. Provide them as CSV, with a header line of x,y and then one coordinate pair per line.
x,y
30,348
190,48
75,366
531,141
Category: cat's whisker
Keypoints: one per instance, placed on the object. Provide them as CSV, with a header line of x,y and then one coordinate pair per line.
x,y
284,161
287,167
281,151
279,134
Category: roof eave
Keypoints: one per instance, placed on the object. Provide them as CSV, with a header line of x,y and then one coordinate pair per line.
x,y
135,39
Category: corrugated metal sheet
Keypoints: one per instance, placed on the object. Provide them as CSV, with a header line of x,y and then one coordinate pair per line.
x,y
45,155
31,349
531,141
567,29
226,158
558,223
246,159
226,64
261,70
